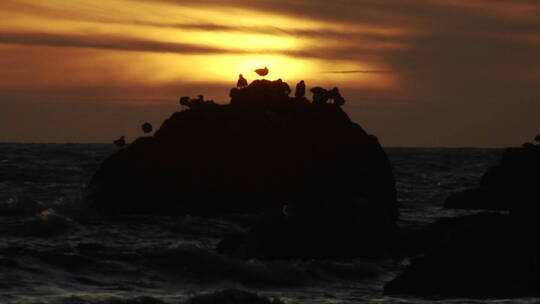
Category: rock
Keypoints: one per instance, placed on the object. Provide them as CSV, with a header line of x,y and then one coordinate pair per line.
x,y
256,154
509,185
477,256
352,230
323,185
261,93
494,255
485,198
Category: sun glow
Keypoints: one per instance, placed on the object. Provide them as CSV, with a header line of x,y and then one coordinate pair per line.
x,y
143,43
280,66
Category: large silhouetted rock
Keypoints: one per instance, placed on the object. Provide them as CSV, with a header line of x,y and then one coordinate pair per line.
x,y
509,185
244,157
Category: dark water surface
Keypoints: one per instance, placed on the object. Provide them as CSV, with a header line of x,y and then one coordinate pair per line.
x,y
67,254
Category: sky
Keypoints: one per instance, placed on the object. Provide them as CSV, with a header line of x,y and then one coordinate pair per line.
x,y
429,73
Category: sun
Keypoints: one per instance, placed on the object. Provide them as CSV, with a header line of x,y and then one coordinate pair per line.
x,y
227,67
279,66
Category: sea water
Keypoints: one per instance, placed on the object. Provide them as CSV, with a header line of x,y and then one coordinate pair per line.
x,y
55,249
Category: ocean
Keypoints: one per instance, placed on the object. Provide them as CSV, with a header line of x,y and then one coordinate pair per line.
x,y
55,249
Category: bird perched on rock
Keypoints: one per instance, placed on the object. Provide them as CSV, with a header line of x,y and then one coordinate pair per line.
x,y
336,96
146,127
242,82
300,89
120,142
320,95
184,101
262,72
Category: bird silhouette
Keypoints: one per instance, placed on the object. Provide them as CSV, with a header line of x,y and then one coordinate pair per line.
x,y
146,127
120,142
242,82
537,138
262,72
184,101
300,89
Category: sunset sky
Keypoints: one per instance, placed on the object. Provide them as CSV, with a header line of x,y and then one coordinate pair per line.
x,y
414,73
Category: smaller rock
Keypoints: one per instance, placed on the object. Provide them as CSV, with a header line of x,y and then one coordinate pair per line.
x,y
476,256
511,185
478,199
317,230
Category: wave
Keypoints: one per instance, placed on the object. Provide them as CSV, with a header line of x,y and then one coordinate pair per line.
x,y
232,296
44,224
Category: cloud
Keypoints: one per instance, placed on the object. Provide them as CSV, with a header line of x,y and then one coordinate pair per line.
x,y
108,42
118,43
366,33
360,72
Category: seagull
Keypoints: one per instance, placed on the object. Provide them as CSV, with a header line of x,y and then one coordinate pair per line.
x,y
242,82
262,72
184,101
300,90
120,142
146,127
